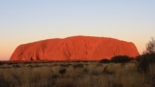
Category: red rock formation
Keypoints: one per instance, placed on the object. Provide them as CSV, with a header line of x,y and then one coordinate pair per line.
x,y
74,48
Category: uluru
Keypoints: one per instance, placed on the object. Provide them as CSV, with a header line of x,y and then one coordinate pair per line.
x,y
74,48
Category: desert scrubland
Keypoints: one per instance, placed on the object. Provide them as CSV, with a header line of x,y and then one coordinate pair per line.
x,y
76,74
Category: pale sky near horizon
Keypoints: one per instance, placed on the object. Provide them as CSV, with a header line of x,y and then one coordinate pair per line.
x,y
24,21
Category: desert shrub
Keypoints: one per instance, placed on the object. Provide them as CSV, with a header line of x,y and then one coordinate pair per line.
x,y
106,71
4,82
143,65
120,59
104,61
147,58
85,70
105,68
78,66
150,58
144,61
62,71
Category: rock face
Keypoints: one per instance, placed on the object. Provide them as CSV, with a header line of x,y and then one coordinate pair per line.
x,y
74,48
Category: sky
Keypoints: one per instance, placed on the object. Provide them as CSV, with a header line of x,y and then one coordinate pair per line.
x,y
24,21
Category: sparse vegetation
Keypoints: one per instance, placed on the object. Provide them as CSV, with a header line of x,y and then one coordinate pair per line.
x,y
147,58
85,74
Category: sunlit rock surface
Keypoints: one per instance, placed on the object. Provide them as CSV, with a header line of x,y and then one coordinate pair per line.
x,y
74,48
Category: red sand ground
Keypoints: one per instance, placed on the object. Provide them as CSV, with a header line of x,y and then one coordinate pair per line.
x,y
74,48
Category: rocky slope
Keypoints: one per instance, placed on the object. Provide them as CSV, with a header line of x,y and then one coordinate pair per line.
x,y
74,48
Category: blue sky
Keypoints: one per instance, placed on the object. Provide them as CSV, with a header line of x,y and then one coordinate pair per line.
x,y
23,21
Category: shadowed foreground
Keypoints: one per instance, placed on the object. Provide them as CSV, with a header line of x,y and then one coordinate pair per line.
x,y
75,74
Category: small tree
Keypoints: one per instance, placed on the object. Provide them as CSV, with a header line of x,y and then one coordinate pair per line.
x,y
150,51
143,64
147,58
150,47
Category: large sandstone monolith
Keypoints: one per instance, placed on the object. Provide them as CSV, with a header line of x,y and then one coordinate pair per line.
x,y
74,48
